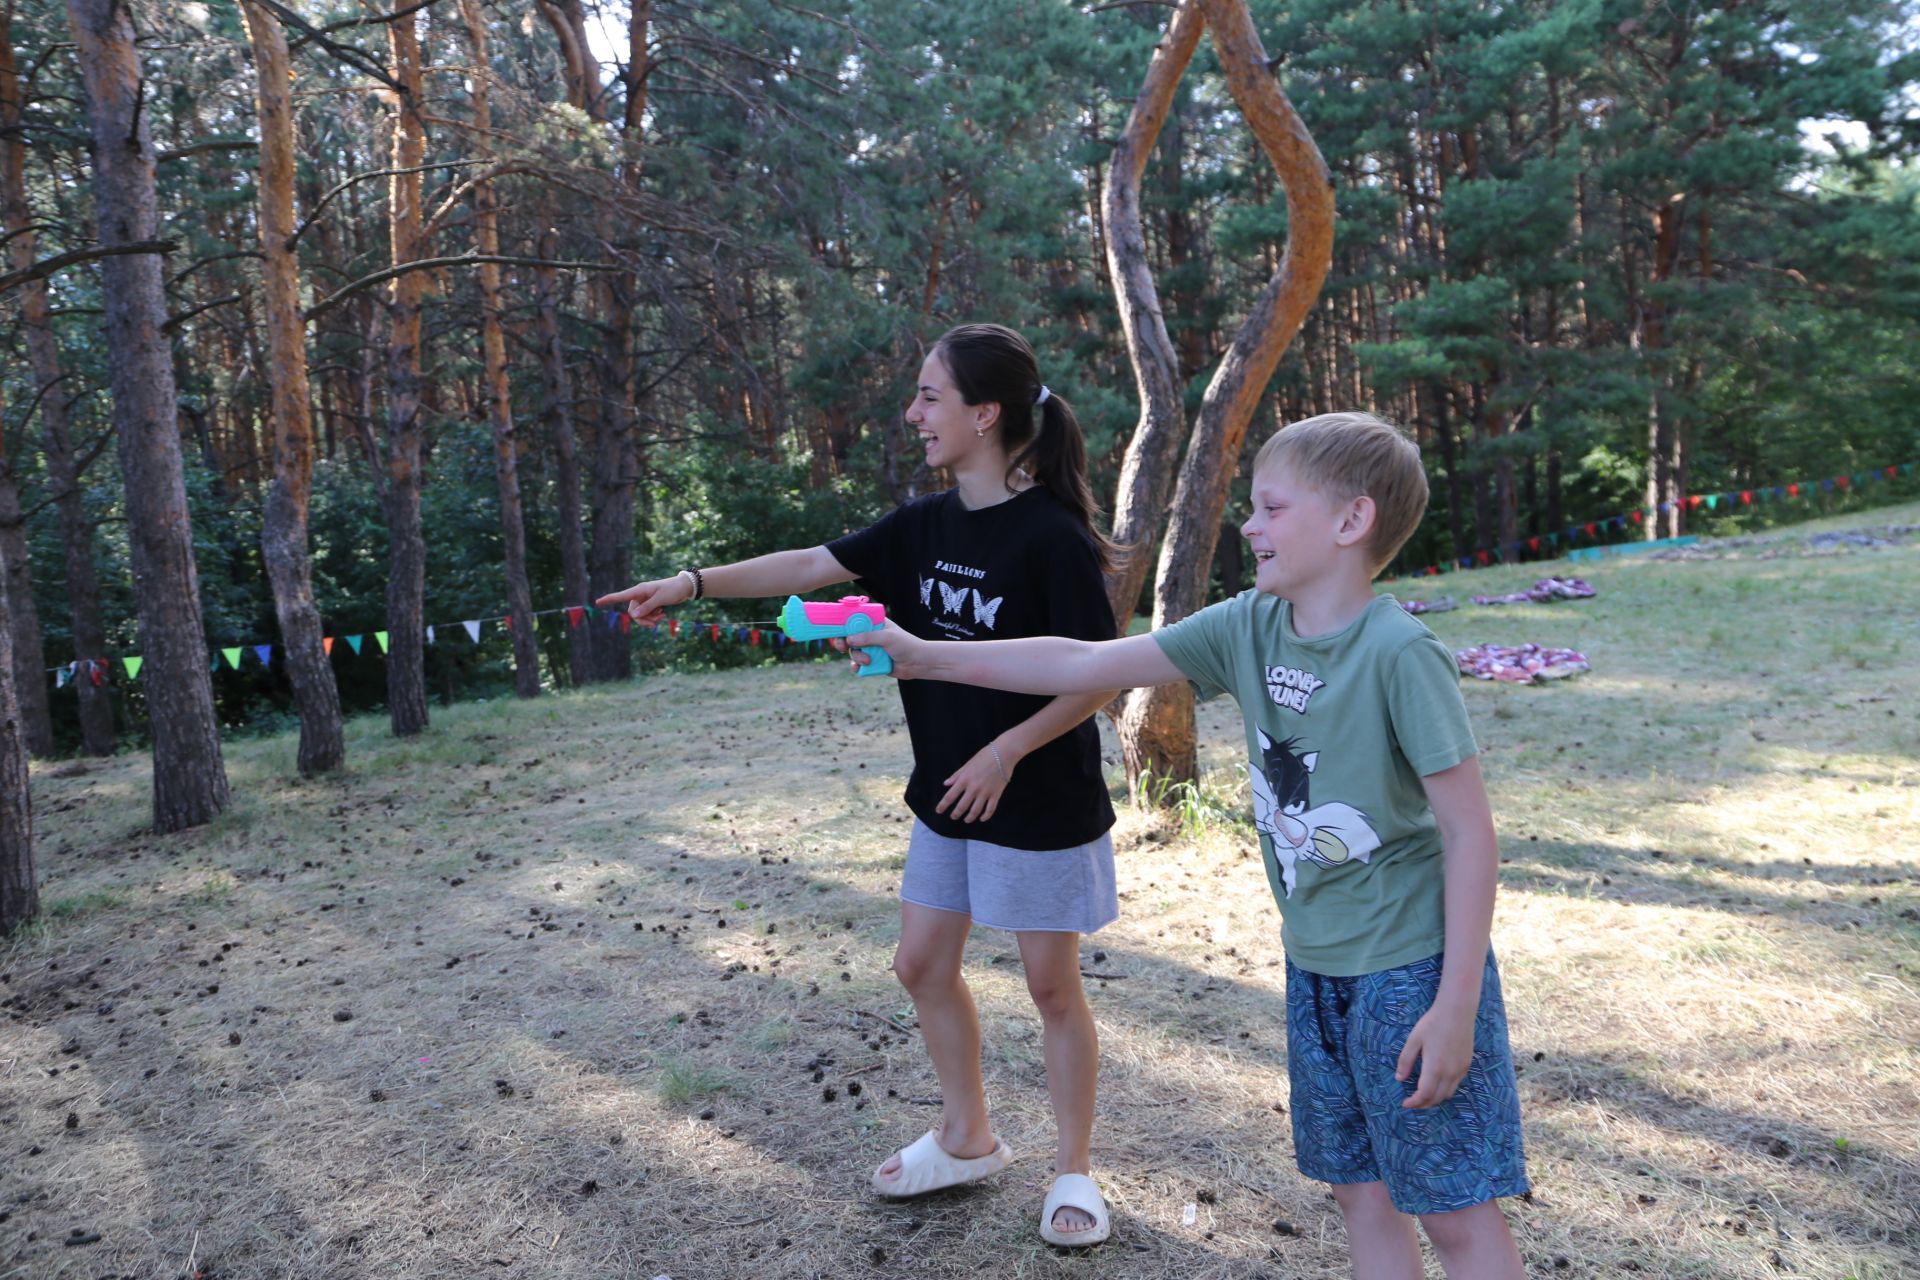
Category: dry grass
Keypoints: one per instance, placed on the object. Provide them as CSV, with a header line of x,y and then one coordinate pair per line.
x,y
606,955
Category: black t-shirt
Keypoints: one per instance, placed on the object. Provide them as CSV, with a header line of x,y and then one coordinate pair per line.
x,y
1023,567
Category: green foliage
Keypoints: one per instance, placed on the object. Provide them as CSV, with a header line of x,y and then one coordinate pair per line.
x,y
818,191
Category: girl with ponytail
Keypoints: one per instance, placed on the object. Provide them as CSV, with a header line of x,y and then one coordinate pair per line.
x,y
1011,814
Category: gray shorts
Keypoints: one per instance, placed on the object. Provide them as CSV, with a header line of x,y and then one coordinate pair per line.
x,y
1056,890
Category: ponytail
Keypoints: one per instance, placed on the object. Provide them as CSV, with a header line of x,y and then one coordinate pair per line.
x,y
1056,456
1038,429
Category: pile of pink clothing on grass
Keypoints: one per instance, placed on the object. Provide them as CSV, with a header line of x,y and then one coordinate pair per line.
x,y
1517,663
1543,591
1520,663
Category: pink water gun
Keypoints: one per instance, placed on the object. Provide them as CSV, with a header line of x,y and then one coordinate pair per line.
x,y
849,615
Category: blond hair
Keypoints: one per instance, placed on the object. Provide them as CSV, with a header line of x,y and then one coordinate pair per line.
x,y
1351,455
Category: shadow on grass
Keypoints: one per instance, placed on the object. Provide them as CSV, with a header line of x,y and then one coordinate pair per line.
x,y
1632,877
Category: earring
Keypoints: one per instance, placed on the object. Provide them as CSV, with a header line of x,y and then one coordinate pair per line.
x,y
980,433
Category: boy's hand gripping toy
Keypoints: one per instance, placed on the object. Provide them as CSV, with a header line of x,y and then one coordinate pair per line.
x,y
847,616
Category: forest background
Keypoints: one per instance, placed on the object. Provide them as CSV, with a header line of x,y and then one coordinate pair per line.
x,y
1598,254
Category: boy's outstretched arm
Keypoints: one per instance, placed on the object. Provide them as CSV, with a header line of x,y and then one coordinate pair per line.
x,y
1442,1041
1043,664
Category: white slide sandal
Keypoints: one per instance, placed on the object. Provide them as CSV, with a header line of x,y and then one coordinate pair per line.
x,y
1075,1191
926,1166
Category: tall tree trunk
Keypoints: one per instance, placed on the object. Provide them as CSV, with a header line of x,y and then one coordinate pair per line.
x,y
17,221
616,455
283,534
189,778
62,467
19,890
584,643
407,548
28,655
615,460
1662,445
493,343
556,389
1156,729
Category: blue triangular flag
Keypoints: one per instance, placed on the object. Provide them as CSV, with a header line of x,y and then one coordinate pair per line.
x,y
429,635
266,654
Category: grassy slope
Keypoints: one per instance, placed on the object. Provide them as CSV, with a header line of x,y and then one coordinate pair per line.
x,y
605,955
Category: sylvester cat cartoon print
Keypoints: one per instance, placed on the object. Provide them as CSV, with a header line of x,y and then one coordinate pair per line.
x,y
1330,834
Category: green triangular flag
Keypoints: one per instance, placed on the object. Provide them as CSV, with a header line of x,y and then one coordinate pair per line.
x,y
381,636
355,642
232,656
133,667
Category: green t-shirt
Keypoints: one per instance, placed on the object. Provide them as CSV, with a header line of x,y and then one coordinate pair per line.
x,y
1340,730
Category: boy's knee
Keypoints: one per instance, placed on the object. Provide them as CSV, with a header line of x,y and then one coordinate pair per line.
x,y
1362,1199
1461,1229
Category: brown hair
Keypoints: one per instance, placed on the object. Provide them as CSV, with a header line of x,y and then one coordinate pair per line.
x,y
1353,454
991,364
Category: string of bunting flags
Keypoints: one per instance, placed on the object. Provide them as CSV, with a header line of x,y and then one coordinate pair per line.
x,y
1598,530
577,615
755,634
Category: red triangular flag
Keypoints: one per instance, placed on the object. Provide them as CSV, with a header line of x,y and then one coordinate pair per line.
x,y
673,627
1634,515
326,643
626,623
1533,543
574,614
753,636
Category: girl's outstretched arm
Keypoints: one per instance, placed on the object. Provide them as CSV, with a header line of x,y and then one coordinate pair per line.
x,y
1042,664
779,574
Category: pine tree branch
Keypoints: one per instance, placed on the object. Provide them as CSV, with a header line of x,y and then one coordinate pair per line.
x,y
340,295
48,266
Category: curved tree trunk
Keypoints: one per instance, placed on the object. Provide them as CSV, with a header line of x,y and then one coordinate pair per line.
x,y
283,536
1146,474
19,890
189,778
407,548
493,342
1156,727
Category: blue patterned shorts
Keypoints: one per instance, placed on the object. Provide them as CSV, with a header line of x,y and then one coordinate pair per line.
x,y
1344,1036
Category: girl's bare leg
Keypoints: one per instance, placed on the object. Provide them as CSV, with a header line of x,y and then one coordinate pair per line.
x,y
1052,962
927,962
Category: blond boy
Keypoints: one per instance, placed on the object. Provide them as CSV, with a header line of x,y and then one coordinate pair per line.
x,y
1376,833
